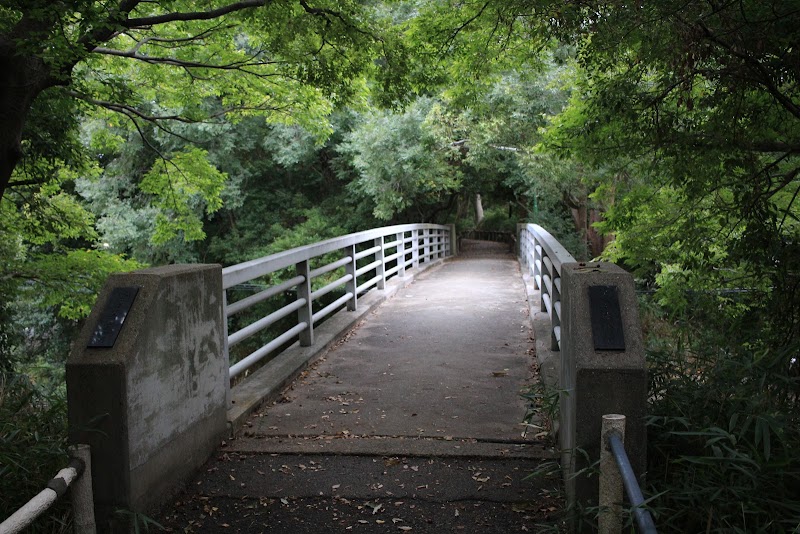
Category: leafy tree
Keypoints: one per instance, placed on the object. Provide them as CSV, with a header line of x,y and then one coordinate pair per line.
x,y
697,104
401,164
290,59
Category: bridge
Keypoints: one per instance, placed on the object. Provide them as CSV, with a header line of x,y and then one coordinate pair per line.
x,y
370,380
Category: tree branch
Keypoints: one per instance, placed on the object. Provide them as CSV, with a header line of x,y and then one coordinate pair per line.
x,y
106,31
764,78
132,54
193,15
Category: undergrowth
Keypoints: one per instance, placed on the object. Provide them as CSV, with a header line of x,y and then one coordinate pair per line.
x,y
723,430
32,448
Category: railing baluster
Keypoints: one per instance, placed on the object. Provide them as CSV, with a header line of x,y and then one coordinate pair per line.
x,y
306,313
414,248
352,284
380,255
401,255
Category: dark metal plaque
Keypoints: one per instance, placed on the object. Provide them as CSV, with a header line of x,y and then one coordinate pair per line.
x,y
607,331
114,313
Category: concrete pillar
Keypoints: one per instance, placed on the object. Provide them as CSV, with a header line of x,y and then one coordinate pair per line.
x,y
602,370
452,241
150,401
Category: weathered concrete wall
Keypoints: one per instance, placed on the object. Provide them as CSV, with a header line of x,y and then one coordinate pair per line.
x,y
153,406
598,382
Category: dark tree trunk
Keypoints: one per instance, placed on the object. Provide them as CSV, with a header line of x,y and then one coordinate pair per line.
x,y
23,78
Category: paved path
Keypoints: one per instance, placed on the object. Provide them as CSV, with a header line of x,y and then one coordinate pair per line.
x,y
414,423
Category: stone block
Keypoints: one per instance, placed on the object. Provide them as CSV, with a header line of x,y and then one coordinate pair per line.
x,y
153,406
598,382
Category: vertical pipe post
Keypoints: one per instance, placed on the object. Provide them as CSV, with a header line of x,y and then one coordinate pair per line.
x,y
306,313
352,285
427,246
225,350
380,255
610,495
414,248
81,490
401,255
538,262
555,316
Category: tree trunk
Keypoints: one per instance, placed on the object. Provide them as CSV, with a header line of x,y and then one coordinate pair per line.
x,y
478,210
23,79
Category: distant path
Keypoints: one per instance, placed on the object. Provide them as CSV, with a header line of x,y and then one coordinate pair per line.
x,y
428,388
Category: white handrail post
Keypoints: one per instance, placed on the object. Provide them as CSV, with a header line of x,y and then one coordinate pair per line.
x,y
414,248
380,255
537,264
352,285
401,255
82,495
306,313
226,352
427,246
610,496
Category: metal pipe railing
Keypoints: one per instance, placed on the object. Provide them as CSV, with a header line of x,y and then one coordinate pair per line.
x,y
77,476
617,473
409,246
541,257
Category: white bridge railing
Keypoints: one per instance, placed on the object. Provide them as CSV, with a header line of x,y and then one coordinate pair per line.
x,y
542,255
376,255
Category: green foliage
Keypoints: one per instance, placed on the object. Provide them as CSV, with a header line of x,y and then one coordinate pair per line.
x,y
179,184
400,163
723,431
32,447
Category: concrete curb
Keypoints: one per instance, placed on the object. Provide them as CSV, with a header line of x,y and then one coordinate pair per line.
x,y
549,360
390,446
266,383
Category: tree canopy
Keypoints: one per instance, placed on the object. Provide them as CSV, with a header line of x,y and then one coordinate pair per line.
x,y
663,136
170,62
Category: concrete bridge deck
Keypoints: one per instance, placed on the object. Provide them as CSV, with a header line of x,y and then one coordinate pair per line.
x,y
413,423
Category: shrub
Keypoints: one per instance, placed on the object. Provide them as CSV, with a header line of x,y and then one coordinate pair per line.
x,y
723,430
32,448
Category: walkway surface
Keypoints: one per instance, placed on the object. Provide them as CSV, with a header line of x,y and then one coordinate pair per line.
x,y
414,422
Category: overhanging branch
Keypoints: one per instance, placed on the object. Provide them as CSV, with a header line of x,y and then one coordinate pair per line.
x,y
193,15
